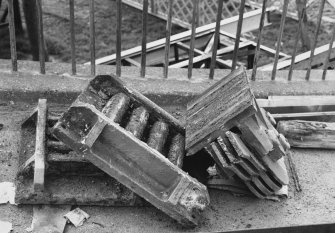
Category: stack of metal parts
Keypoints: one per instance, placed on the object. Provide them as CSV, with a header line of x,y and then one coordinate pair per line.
x,y
238,135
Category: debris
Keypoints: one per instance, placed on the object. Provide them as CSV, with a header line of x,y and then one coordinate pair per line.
x,y
316,102
311,108
49,218
293,172
131,139
77,217
68,170
308,134
217,109
230,185
7,193
5,227
239,135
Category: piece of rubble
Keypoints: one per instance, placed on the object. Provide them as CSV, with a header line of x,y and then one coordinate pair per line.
x,y
5,227
49,218
217,109
309,108
262,176
77,217
7,193
65,170
308,134
227,104
136,142
238,134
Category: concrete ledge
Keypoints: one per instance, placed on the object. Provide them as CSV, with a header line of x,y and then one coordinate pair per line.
x,y
59,86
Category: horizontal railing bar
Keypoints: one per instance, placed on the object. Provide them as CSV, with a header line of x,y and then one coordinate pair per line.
x,y
202,30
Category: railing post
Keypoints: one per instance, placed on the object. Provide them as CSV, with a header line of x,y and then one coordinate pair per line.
x,y
295,47
238,34
144,37
92,37
12,36
280,36
118,36
259,41
41,43
168,38
192,40
73,44
216,39
315,38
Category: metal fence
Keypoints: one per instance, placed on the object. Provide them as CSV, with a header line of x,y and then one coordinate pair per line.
x,y
195,10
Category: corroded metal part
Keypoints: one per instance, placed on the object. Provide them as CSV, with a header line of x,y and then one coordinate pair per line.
x,y
128,159
138,122
177,150
158,135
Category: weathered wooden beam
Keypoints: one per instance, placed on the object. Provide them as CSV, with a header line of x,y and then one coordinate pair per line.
x,y
296,101
308,134
307,116
217,109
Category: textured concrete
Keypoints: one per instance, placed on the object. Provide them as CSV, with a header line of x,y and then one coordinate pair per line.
x,y
315,204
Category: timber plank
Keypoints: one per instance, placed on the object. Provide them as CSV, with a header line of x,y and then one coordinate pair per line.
x,y
308,134
217,109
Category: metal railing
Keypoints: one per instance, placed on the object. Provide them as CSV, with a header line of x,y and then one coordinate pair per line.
x,y
168,36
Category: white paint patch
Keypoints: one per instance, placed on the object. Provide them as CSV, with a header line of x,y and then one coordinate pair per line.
x,y
7,193
77,217
5,227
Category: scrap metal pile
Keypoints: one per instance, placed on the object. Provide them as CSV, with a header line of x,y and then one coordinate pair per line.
x,y
134,150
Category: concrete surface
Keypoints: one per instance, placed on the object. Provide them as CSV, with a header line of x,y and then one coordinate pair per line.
x,y
314,205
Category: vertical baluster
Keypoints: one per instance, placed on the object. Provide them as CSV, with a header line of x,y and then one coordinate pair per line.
x,y
118,36
280,36
12,37
192,41
325,64
92,37
144,37
152,6
216,39
176,53
168,38
322,5
41,42
238,34
73,39
259,41
301,18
